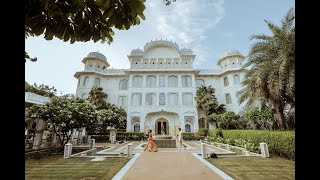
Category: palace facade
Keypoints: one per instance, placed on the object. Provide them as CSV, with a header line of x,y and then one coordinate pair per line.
x,y
158,91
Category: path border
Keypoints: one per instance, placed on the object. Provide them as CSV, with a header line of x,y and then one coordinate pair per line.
x,y
213,168
125,169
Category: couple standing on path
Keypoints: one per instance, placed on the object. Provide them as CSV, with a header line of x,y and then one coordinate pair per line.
x,y
151,146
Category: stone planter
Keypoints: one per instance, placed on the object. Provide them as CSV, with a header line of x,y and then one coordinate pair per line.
x,y
165,143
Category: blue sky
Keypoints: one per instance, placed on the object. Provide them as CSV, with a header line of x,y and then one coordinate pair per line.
x,y
208,27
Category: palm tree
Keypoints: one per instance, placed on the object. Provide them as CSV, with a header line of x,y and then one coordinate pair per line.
x,y
271,79
207,102
97,97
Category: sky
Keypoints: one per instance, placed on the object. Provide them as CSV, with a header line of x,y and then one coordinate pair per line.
x,y
208,27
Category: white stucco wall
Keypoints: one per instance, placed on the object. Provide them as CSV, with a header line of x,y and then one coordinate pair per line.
x,y
177,115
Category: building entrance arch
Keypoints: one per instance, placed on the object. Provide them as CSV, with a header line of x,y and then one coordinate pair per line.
x,y
161,126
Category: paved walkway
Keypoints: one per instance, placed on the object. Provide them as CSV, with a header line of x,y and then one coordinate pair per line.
x,y
169,165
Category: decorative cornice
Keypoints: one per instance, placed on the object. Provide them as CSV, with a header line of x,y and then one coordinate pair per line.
x,y
161,43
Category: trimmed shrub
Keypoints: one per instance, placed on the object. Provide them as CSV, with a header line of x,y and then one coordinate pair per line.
x,y
219,133
280,143
131,136
191,136
203,132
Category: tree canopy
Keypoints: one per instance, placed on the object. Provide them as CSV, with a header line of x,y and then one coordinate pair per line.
x,y
43,90
207,101
271,79
81,20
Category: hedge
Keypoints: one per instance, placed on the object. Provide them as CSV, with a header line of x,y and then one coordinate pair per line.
x,y
132,136
190,136
280,143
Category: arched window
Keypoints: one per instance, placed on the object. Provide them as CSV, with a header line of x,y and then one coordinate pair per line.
x,y
123,101
162,81
236,79
200,82
150,99
151,81
173,99
97,82
84,96
85,81
172,81
136,99
228,99
226,81
186,81
123,85
162,99
187,99
136,128
137,82
188,128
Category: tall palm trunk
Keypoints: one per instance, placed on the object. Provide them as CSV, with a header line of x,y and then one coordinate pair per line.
x,y
281,118
206,121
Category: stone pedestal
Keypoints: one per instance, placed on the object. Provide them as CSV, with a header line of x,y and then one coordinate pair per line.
x,y
89,139
264,150
129,150
165,143
204,150
67,150
113,134
93,143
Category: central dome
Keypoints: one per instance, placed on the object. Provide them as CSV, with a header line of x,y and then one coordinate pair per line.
x,y
137,52
230,52
161,43
97,55
185,51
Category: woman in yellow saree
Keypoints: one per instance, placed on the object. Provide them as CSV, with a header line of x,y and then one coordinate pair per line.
x,y
151,146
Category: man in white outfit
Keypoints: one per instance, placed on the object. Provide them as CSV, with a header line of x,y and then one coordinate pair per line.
x,y
179,139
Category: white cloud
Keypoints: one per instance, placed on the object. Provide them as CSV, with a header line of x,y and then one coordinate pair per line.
x,y
188,22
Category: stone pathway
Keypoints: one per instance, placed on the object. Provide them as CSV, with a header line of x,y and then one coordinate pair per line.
x,y
169,165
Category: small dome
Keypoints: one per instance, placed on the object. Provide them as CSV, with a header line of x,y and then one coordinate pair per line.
x,y
137,52
96,55
185,51
230,52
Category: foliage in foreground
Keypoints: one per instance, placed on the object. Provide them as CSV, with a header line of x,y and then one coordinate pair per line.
x,y
271,78
42,90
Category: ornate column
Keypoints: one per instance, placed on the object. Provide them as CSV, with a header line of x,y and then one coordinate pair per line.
x,y
182,123
142,122
179,80
128,123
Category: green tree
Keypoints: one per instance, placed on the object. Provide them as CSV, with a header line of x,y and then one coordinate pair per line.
x,y
43,90
260,119
81,20
271,79
226,120
97,97
107,118
65,114
207,102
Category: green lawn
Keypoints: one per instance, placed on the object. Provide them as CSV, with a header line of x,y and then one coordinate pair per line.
x,y
257,168
55,167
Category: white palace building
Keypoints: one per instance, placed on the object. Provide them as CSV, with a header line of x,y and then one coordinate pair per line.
x,y
158,91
